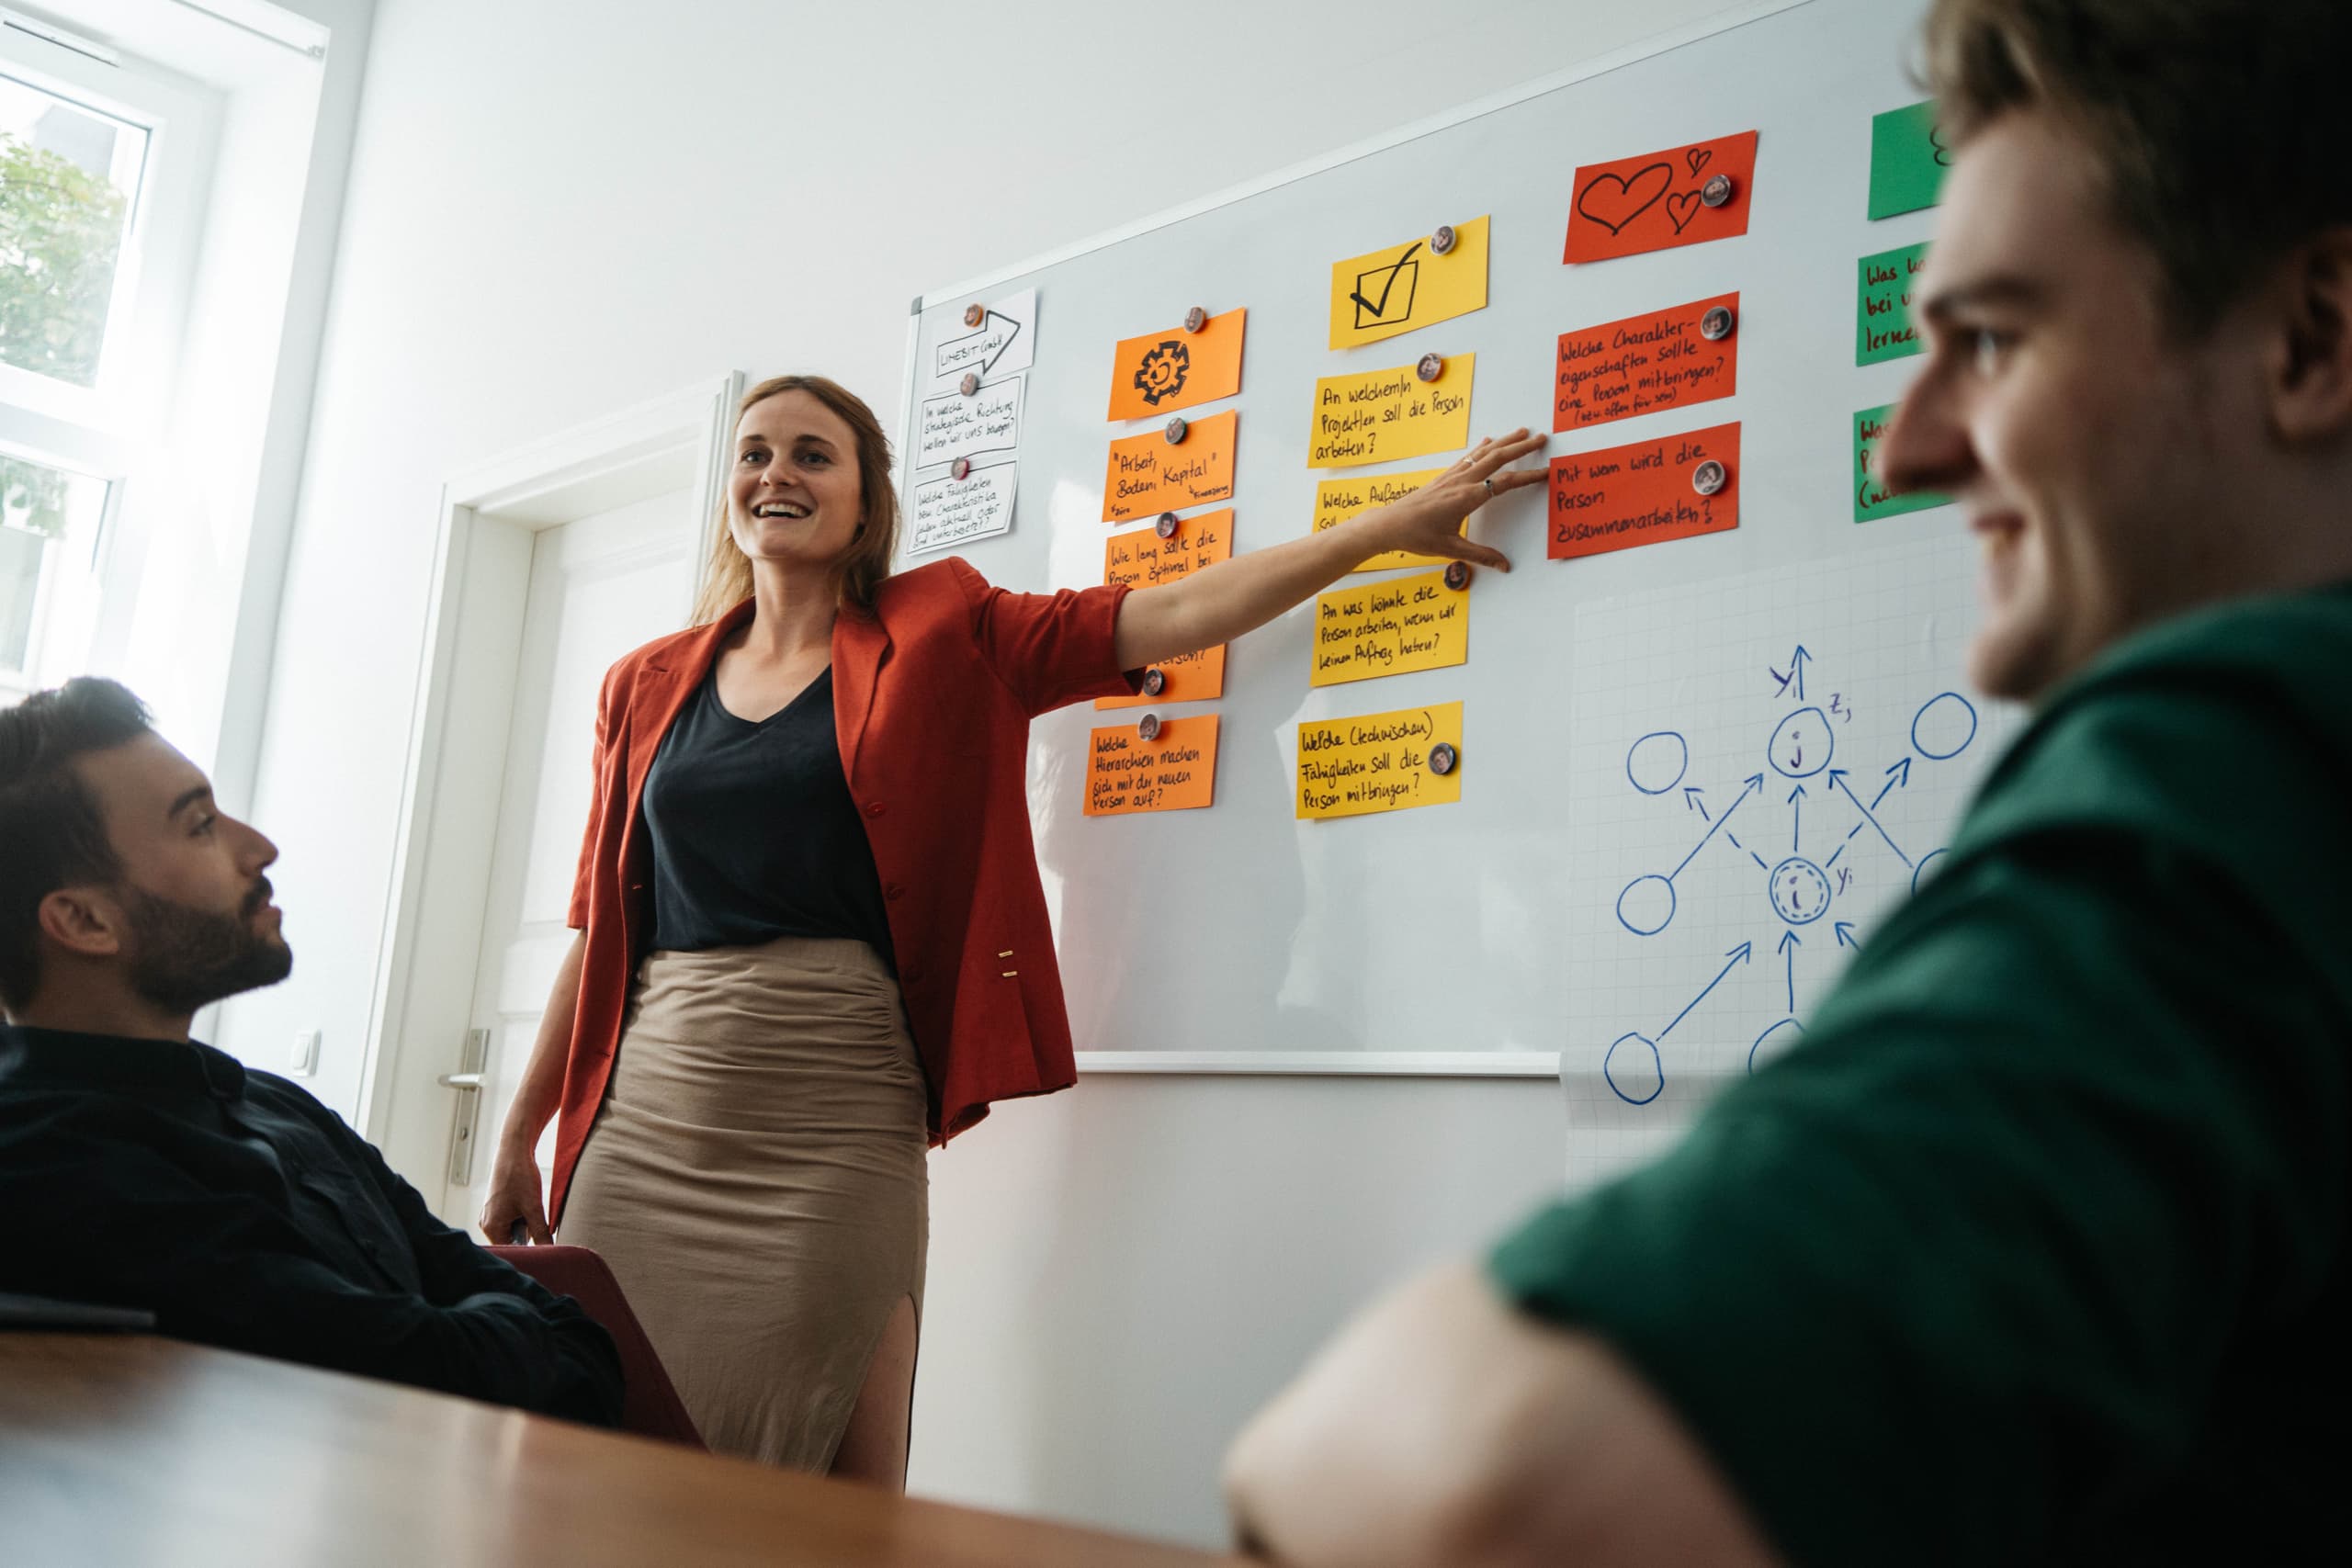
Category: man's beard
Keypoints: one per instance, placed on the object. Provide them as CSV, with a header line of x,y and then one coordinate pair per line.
x,y
185,958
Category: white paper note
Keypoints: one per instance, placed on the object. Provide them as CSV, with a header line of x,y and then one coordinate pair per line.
x,y
952,425
950,511
1004,343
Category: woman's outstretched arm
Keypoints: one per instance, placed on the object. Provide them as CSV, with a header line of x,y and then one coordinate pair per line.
x,y
1219,603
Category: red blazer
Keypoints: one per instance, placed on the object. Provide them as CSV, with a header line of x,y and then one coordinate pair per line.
x,y
932,695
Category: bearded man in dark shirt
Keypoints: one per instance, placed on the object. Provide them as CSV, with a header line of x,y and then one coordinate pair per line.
x,y
143,1169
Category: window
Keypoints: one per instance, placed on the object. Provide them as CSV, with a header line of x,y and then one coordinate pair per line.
x,y
102,163
69,183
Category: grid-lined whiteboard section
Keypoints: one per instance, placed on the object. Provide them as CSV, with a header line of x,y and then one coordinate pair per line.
x,y
1763,765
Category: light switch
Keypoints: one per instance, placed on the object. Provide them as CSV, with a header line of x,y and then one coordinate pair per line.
x,y
304,1060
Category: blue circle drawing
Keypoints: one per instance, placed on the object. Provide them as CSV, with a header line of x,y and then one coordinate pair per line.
x,y
1658,762
1646,907
1919,875
1947,722
1800,891
1789,1027
1641,1078
1802,745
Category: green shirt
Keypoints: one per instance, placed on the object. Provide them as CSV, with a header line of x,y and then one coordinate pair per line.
x,y
2033,1250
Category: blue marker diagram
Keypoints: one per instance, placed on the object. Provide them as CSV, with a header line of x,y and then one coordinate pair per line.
x,y
1809,828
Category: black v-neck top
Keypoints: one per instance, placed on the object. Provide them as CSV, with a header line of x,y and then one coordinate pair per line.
x,y
754,834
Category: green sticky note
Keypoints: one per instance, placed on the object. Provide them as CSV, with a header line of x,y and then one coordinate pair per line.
x,y
1908,163
1883,285
1871,499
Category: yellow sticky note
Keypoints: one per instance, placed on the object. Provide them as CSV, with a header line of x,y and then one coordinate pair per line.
x,y
1381,762
1384,292
1390,628
1336,501
1380,416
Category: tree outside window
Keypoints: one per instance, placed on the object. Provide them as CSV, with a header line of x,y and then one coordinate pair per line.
x,y
61,233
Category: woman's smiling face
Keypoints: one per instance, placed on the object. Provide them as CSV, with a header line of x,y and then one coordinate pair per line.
x,y
794,496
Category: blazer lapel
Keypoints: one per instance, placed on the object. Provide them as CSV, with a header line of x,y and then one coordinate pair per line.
x,y
860,645
663,683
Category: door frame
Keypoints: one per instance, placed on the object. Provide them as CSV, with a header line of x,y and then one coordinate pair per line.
x,y
418,1010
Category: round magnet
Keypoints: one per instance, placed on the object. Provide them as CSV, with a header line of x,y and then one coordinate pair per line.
x,y
1718,324
1457,575
974,313
1443,241
969,384
1443,759
1708,477
1166,527
1431,368
1148,727
1716,192
1175,430
1154,681
961,468
1195,319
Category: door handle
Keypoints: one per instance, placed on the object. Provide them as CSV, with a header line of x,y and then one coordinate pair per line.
x,y
459,1080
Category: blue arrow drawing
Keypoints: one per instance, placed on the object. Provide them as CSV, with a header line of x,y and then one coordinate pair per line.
x,y
1796,833
1755,786
1897,777
1694,799
1837,778
1789,945
1846,935
1738,955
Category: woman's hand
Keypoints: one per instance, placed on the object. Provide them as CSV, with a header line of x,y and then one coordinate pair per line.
x,y
516,1198
1428,521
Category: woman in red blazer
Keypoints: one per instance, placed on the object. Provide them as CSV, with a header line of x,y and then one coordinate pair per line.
x,y
812,937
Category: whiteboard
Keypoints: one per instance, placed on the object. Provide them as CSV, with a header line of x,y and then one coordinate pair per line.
x,y
1491,936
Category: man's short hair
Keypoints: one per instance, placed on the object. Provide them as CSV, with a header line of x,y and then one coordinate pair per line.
x,y
2220,126
52,833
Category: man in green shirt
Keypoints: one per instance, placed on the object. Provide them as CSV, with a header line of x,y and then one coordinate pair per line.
x,y
2034,1251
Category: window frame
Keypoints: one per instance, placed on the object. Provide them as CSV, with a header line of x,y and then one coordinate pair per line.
x,y
98,431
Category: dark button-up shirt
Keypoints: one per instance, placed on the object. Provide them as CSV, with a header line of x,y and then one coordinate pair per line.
x,y
163,1174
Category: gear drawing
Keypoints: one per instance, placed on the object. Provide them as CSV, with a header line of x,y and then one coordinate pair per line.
x,y
1162,373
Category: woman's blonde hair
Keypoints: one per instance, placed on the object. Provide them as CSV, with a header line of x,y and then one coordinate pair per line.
x,y
727,579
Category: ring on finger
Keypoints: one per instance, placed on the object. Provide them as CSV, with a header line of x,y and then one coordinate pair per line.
x,y
1491,486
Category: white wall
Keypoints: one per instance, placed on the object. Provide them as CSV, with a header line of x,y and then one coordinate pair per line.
x,y
556,209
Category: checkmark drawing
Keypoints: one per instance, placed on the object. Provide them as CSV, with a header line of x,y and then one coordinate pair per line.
x,y
1376,313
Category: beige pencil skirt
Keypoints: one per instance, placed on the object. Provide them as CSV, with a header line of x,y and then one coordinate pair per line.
x,y
756,1178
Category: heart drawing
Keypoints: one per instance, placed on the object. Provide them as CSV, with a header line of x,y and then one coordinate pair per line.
x,y
1612,202
1681,208
1698,158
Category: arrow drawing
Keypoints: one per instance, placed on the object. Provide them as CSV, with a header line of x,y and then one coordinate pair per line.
x,y
1755,786
1837,778
1790,942
1694,799
1846,934
1796,833
1738,955
1897,777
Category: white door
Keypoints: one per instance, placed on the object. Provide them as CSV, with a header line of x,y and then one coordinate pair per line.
x,y
599,587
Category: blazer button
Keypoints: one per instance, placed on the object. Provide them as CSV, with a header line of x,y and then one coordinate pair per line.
x,y
894,892
874,809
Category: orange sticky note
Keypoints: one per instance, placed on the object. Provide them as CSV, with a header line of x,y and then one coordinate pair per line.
x,y
1654,202
1645,493
1148,473
1142,558
1644,364
1161,372
1174,770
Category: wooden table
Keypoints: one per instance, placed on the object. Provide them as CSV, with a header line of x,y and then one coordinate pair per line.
x,y
129,1450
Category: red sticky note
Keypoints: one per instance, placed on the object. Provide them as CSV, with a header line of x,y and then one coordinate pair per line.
x,y
1653,202
1173,771
1644,364
1645,493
